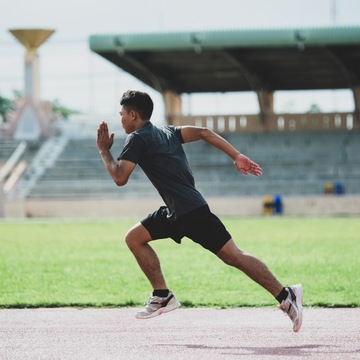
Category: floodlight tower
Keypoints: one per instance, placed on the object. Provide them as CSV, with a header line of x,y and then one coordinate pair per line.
x,y
30,122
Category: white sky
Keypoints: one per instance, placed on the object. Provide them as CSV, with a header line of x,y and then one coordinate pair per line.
x,y
82,80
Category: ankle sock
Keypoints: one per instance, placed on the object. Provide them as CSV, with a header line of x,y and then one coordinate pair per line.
x,y
282,296
161,292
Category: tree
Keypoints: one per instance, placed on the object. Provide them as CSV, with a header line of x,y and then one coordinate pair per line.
x,y
314,108
18,94
63,111
6,105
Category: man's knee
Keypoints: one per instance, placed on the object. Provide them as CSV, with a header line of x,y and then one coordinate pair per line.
x,y
136,236
230,254
129,238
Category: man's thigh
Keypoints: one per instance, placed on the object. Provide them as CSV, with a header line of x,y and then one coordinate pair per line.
x,y
209,232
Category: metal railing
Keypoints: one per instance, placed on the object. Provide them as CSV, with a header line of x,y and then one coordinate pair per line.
x,y
6,171
12,161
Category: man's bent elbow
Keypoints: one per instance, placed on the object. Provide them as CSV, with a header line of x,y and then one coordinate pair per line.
x,y
121,181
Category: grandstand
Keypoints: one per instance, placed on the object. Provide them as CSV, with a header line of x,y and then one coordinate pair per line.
x,y
79,172
293,164
8,146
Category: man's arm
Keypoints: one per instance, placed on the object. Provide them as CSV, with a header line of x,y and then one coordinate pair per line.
x,y
241,162
119,171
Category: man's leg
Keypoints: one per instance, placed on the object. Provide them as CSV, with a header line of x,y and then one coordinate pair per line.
x,y
162,300
290,298
251,266
137,240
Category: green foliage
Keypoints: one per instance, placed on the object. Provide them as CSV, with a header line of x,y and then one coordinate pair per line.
x,y
6,105
63,111
18,94
86,263
314,109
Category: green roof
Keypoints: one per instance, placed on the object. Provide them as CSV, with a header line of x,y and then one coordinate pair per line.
x,y
238,60
227,38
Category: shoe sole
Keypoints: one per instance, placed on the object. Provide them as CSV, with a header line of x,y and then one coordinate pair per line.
x,y
170,307
298,290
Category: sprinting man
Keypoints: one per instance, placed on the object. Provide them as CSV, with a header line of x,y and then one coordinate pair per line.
x,y
159,152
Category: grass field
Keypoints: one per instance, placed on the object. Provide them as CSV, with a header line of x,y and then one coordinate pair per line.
x,y
86,263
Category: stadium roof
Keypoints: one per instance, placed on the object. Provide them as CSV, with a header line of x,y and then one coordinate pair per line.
x,y
238,60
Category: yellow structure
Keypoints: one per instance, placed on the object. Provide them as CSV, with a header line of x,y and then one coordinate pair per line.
x,y
30,121
268,205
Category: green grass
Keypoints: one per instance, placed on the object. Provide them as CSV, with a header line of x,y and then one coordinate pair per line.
x,y
86,263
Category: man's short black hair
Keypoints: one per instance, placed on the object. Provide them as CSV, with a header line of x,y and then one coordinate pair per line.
x,y
138,101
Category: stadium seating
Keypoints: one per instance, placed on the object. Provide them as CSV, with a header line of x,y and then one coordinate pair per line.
x,y
8,146
293,163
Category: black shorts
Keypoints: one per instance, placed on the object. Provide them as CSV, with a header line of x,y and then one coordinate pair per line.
x,y
200,225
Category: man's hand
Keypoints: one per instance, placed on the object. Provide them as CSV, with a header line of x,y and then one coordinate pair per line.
x,y
104,141
247,166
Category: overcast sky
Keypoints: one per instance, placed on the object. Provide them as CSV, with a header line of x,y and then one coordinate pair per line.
x,y
83,80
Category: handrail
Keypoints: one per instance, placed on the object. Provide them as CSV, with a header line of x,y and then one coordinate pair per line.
x,y
12,161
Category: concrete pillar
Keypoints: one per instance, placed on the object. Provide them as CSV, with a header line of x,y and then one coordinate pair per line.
x,y
32,78
266,104
356,92
173,106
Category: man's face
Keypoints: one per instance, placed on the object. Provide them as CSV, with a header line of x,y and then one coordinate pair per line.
x,y
127,119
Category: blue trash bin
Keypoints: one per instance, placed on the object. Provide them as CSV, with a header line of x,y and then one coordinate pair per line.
x,y
339,188
278,205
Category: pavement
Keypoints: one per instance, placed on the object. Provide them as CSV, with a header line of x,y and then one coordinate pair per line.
x,y
211,334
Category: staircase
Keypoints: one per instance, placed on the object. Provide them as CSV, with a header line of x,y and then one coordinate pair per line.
x,y
43,160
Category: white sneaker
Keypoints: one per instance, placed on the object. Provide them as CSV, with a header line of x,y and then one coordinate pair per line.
x,y
156,306
292,305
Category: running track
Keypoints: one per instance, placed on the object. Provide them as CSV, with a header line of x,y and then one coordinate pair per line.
x,y
184,334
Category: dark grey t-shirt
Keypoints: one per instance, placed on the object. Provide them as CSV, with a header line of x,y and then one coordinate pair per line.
x,y
159,152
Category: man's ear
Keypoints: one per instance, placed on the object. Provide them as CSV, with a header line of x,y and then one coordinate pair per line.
x,y
133,114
